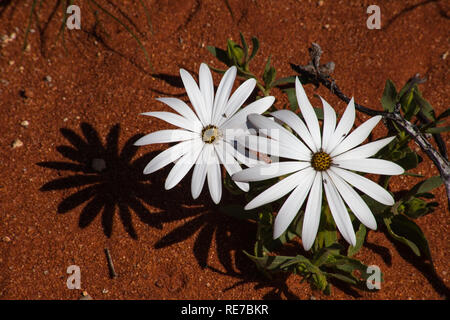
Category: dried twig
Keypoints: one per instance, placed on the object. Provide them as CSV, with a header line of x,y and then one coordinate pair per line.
x,y
112,271
314,72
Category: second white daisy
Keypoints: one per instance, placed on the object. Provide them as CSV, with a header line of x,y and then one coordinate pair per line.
x,y
320,160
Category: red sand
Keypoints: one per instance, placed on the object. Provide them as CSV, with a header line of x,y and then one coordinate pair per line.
x,y
165,245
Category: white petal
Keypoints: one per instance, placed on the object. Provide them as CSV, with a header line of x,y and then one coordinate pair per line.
x,y
312,213
166,136
277,132
223,93
293,203
376,166
249,158
269,171
345,124
365,185
308,113
214,178
276,191
195,96
365,151
174,119
199,173
207,89
354,201
356,137
169,155
239,97
183,165
272,147
182,108
240,118
329,123
294,121
338,210
230,164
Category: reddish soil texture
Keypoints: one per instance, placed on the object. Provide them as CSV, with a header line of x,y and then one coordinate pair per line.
x,y
164,244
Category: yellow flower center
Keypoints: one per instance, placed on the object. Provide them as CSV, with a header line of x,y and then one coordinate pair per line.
x,y
210,133
321,161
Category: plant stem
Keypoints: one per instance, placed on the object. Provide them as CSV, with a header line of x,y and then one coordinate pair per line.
x,y
441,163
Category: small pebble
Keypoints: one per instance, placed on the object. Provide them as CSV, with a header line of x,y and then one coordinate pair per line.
x,y
17,144
48,79
105,291
25,123
45,272
6,239
85,296
159,283
445,55
98,164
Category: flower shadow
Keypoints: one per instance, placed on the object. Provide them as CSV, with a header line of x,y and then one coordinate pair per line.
x,y
107,180
230,237
210,228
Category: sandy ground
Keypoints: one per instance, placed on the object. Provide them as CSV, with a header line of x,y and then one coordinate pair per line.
x,y
84,103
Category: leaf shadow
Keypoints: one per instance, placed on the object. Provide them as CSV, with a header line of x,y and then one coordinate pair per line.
x,y
106,180
423,266
383,252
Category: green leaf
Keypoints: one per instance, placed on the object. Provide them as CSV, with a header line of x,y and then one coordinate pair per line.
x,y
438,130
282,81
327,255
360,237
409,161
408,103
424,105
269,74
244,45
342,277
415,207
319,113
235,53
220,54
290,92
255,48
389,98
424,186
407,232
326,234
376,207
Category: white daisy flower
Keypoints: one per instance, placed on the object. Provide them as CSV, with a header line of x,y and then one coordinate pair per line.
x,y
206,137
320,161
